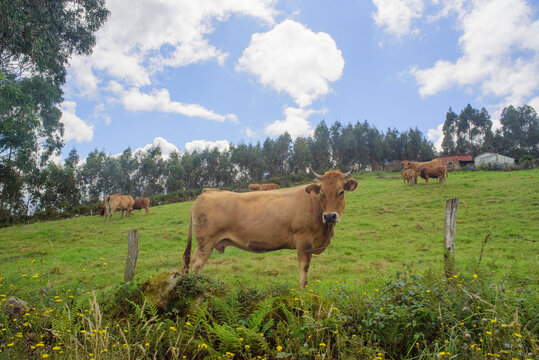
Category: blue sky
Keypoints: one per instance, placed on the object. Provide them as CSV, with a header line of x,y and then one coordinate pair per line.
x,y
185,74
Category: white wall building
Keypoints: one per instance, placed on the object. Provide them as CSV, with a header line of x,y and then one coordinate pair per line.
x,y
492,159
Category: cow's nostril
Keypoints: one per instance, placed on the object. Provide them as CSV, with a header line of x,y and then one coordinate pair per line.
x,y
330,217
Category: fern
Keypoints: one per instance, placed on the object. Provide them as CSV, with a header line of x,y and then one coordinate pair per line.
x,y
151,309
226,337
226,310
139,311
256,319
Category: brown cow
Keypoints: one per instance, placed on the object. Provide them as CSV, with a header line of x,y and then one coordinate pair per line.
x,y
266,187
263,187
301,218
410,176
210,189
439,172
143,203
417,166
102,206
255,187
122,202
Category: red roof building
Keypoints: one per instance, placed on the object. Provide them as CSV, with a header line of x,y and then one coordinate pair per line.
x,y
455,161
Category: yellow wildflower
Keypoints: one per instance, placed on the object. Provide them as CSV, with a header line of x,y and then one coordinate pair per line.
x,y
279,348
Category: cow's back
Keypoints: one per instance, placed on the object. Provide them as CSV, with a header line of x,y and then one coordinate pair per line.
x,y
271,215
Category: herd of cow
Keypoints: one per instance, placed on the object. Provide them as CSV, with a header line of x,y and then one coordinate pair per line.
x,y
428,169
123,203
267,218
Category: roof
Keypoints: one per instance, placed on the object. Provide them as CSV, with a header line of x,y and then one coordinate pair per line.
x,y
455,158
487,154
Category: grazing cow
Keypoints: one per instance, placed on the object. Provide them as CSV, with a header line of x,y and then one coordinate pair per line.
x,y
439,172
302,218
410,176
266,187
417,166
263,187
102,206
210,189
143,203
122,202
255,187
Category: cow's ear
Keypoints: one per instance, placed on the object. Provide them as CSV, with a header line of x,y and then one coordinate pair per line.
x,y
313,187
350,185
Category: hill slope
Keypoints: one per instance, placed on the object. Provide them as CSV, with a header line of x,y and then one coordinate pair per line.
x,y
384,224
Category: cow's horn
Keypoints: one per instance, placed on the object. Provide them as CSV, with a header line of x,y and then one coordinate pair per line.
x,y
348,173
318,176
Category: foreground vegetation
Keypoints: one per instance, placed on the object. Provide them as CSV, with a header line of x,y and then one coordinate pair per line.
x,y
412,317
362,301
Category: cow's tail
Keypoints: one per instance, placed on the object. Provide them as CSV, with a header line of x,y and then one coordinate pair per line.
x,y
187,252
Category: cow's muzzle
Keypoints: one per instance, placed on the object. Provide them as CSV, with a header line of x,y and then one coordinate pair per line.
x,y
330,218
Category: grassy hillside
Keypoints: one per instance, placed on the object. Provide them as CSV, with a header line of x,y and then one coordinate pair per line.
x,y
385,224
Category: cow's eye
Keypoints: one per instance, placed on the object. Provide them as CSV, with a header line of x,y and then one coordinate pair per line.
x,y
341,193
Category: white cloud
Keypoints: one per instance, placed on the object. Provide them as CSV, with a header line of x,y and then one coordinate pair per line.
x,y
436,136
396,16
166,147
75,128
101,114
295,123
159,100
147,35
248,132
201,145
294,59
500,45
534,103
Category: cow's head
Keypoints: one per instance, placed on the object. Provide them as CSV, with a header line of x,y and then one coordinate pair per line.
x,y
330,191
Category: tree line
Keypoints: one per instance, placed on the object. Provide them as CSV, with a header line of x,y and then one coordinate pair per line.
x,y
470,132
78,186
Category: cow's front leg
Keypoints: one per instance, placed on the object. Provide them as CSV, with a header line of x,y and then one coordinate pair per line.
x,y
304,257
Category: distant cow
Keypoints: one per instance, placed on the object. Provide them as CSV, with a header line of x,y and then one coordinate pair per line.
x,y
102,206
263,187
410,176
210,189
114,202
439,172
266,187
302,218
143,203
255,187
417,166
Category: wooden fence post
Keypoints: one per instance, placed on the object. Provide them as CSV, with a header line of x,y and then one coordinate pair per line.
x,y
132,253
451,209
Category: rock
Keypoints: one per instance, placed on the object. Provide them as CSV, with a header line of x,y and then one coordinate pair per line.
x,y
15,307
161,289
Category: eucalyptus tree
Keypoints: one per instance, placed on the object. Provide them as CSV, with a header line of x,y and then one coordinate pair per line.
x,y
37,39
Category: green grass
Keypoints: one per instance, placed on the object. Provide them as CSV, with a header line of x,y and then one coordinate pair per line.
x,y
385,224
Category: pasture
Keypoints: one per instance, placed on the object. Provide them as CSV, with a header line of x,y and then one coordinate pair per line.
x,y
249,306
384,225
